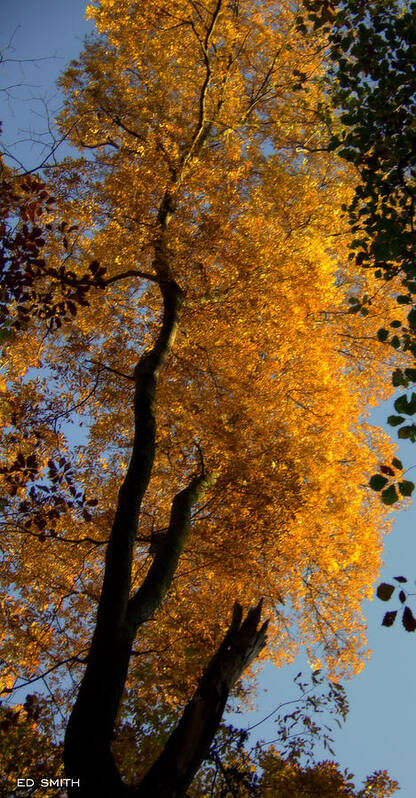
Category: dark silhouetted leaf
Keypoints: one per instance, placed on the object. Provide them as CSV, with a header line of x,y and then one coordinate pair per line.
x,y
385,591
382,335
389,618
394,421
408,620
405,405
377,482
398,378
406,432
389,495
387,470
406,487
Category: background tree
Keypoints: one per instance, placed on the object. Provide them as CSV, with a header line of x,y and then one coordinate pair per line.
x,y
27,748
373,49
372,85
205,192
287,766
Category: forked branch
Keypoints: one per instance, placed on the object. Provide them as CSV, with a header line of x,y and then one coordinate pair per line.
x,y
189,743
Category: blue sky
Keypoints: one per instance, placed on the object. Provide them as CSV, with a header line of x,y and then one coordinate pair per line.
x,y
378,733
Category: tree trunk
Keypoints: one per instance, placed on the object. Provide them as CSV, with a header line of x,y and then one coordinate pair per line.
x,y
189,743
87,749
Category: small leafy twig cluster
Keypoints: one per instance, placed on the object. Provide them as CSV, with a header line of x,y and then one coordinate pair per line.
x,y
32,287
389,483
45,501
385,592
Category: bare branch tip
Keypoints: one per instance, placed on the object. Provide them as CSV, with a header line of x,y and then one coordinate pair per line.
x,y
237,615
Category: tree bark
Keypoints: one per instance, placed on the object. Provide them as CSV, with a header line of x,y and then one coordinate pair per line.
x,y
87,749
189,743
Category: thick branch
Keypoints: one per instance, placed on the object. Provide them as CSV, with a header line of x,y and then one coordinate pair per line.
x,y
159,577
189,743
117,577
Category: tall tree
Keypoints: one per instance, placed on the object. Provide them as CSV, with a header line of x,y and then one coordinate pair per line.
x,y
220,382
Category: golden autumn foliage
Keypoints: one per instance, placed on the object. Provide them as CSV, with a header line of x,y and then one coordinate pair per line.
x,y
324,778
200,119
27,751
289,779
